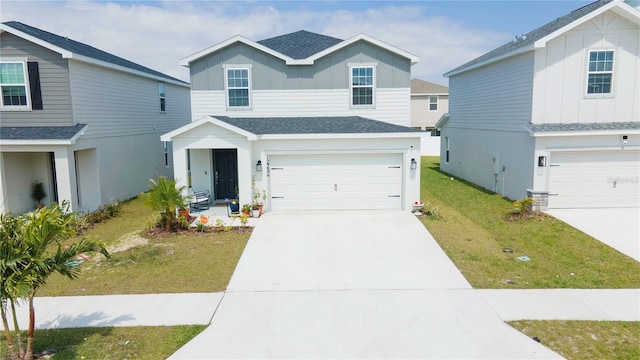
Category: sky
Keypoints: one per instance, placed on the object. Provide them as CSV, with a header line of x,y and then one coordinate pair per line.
x,y
157,34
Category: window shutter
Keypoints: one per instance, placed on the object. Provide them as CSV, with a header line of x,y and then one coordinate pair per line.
x,y
34,84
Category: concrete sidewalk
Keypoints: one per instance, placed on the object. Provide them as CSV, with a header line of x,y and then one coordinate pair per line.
x,y
121,310
199,308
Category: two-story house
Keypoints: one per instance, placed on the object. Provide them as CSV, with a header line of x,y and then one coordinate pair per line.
x,y
317,122
81,121
565,124
429,102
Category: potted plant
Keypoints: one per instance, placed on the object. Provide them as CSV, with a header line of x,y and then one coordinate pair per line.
x,y
246,209
417,206
255,210
38,193
234,207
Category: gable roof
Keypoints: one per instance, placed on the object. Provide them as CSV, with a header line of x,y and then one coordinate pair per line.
x,y
300,44
300,127
72,49
314,46
421,87
539,37
34,135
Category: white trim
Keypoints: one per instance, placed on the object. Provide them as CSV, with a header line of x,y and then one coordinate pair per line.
x,y
618,7
443,120
374,80
437,103
429,94
27,87
206,120
70,55
226,87
587,94
340,136
290,61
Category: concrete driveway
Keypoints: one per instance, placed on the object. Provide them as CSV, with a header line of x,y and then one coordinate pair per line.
x,y
618,228
349,284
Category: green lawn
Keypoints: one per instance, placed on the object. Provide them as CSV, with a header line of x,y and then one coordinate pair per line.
x,y
586,339
176,263
473,232
112,343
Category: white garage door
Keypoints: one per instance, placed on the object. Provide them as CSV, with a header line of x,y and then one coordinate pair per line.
x,y
594,179
343,182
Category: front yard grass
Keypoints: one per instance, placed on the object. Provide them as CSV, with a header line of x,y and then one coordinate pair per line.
x,y
473,232
141,342
177,263
586,339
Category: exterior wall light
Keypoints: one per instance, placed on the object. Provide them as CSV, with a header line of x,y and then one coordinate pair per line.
x,y
259,166
414,164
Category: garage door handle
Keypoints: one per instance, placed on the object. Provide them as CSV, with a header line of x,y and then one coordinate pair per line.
x,y
277,197
394,167
275,168
552,165
393,195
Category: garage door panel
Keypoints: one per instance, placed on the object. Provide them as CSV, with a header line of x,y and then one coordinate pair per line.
x,y
594,179
321,182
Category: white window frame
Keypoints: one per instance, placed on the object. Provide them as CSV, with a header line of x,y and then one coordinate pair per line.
x,y
372,86
25,71
602,72
249,86
162,96
437,103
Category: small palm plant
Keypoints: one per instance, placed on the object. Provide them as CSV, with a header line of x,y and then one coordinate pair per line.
x,y
32,249
165,197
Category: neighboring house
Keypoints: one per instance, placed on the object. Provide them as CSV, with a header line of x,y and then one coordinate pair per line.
x,y
565,124
83,122
318,122
429,102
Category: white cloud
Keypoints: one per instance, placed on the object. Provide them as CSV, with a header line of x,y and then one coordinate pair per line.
x,y
159,34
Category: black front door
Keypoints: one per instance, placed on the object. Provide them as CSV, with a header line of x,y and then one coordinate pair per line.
x,y
225,163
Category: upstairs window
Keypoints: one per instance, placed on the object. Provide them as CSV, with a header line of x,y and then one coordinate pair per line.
x,y
20,86
362,88
433,103
161,95
600,73
238,88
13,81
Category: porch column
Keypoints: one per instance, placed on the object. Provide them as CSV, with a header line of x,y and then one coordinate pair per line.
x,y
180,170
245,171
66,177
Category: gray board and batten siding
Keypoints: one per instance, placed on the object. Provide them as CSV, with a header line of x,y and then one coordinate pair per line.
x,y
328,72
54,82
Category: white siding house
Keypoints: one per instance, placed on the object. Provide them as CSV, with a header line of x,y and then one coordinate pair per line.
x,y
429,102
317,122
88,125
566,130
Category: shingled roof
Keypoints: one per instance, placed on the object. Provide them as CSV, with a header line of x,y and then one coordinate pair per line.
x,y
300,44
41,132
419,87
531,37
559,127
79,48
314,125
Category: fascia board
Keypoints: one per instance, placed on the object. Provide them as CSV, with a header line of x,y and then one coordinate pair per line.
x,y
584,133
414,59
492,60
46,142
429,94
104,64
206,120
443,120
618,7
339,136
191,58
35,40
